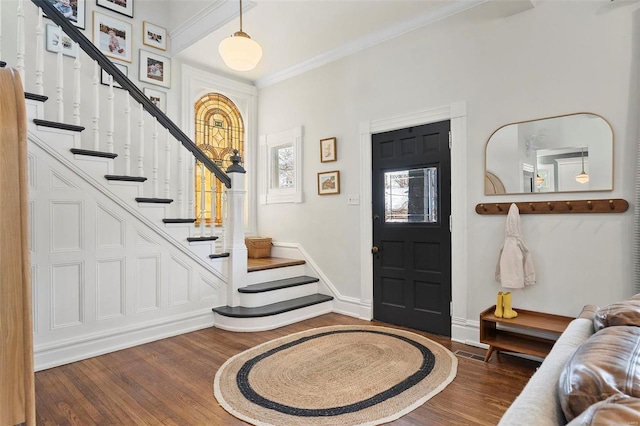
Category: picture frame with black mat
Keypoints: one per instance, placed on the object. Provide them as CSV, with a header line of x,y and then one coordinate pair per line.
x,y
123,7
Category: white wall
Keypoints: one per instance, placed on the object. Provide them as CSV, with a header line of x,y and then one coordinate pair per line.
x,y
558,58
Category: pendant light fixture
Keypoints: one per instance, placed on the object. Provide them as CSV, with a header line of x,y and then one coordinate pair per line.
x,y
239,52
539,180
582,177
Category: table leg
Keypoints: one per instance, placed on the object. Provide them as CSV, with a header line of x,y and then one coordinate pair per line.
x,y
488,355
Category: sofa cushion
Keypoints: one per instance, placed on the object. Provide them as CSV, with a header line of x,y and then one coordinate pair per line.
x,y
621,313
615,410
606,364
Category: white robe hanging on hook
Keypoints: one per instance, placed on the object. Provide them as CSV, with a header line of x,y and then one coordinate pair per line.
x,y
515,266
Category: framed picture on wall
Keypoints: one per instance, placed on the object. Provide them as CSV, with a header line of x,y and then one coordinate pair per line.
x,y
123,7
73,10
154,36
158,98
328,150
155,69
112,36
104,76
329,183
57,40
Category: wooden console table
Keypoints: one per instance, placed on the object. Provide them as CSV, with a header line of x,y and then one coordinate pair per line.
x,y
512,340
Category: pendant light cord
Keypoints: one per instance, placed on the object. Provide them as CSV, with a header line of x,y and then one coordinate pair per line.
x,y
240,15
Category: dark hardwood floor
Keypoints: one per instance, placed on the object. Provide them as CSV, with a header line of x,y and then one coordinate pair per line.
x,y
170,382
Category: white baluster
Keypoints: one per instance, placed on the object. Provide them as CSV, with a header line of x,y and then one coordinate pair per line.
x,y
203,198
60,83
154,138
112,111
20,41
190,181
39,54
180,168
77,91
0,30
96,106
213,194
141,143
127,136
167,165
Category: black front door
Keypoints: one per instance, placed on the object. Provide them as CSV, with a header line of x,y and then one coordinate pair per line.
x,y
411,173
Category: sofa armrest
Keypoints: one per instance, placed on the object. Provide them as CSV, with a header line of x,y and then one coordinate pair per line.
x,y
538,402
588,312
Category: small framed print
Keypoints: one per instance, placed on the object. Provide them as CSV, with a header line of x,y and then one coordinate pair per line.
x,y
104,76
158,98
112,36
155,69
123,7
73,10
154,36
328,150
57,40
329,183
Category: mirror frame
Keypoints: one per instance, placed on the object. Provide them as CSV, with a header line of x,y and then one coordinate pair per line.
x,y
490,178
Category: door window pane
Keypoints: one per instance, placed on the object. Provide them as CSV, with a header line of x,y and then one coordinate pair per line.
x,y
411,196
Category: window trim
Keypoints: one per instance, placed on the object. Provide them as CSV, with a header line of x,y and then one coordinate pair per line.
x,y
268,194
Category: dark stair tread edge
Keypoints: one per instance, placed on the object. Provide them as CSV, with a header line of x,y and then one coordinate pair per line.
x,y
278,284
272,309
218,255
179,220
126,178
35,97
3,64
195,239
56,125
91,153
154,200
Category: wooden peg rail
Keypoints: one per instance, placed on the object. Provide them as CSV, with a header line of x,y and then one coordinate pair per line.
x,y
610,205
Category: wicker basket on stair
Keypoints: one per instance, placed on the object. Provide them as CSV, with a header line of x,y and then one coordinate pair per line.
x,y
258,247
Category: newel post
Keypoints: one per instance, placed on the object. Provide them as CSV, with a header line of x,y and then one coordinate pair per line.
x,y
237,273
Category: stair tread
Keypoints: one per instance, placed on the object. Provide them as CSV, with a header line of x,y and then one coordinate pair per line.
x,y
91,153
35,97
3,64
265,263
218,255
178,220
278,284
125,178
154,200
195,239
56,125
274,308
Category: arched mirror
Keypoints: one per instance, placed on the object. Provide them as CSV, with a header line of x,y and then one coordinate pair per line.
x,y
567,153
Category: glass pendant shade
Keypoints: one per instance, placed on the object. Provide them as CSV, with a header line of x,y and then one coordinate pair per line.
x,y
539,180
239,52
582,177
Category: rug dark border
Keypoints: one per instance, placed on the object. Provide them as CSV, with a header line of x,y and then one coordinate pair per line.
x,y
242,380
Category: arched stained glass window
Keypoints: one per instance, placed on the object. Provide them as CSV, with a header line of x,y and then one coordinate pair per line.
x,y
219,130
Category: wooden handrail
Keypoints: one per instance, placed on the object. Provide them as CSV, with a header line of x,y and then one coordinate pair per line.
x,y
94,53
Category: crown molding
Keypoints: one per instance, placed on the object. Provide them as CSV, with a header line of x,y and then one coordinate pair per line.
x,y
370,40
209,19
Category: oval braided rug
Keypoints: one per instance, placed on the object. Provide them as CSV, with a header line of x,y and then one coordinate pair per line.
x,y
339,375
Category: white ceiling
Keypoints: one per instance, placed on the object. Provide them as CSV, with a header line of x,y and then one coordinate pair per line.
x,y
297,35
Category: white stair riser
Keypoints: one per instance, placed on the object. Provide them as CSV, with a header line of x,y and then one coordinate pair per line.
x,y
272,321
95,166
258,277
254,300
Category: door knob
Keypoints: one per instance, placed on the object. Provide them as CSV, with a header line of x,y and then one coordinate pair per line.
x,y
374,249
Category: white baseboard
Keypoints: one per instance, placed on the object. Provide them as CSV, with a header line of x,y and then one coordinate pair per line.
x,y
71,350
466,331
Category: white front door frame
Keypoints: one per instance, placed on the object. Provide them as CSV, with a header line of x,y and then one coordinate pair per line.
x,y
457,113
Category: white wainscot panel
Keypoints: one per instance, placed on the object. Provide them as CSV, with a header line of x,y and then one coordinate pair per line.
x,y
147,283
111,291
34,298
32,226
66,226
56,181
109,229
31,171
179,282
207,290
67,298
